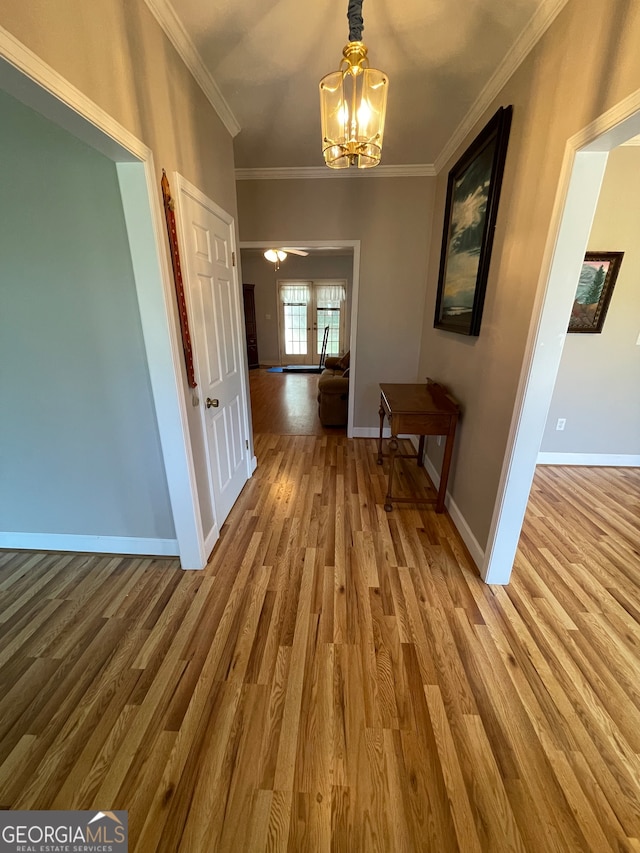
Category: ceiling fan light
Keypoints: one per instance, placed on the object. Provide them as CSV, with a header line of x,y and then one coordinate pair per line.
x,y
275,255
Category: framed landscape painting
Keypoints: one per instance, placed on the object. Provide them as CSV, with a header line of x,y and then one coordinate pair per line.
x,y
593,294
473,192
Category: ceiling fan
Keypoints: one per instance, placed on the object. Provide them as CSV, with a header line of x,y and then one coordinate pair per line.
x,y
277,255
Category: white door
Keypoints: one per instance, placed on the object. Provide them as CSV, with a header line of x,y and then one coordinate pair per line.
x,y
213,295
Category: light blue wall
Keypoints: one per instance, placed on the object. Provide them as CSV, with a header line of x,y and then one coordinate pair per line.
x,y
79,446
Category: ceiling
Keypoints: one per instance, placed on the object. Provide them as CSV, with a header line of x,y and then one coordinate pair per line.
x,y
267,59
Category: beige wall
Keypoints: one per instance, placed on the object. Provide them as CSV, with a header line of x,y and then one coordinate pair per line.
x,y
586,63
392,219
115,53
598,384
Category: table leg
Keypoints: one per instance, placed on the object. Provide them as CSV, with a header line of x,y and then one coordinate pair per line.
x,y
444,474
421,452
381,413
393,449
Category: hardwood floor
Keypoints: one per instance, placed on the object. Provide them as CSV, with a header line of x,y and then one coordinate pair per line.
x,y
338,678
286,404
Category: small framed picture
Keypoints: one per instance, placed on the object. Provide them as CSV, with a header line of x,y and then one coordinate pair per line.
x,y
593,295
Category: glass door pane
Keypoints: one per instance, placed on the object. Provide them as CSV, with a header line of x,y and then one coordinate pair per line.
x,y
295,329
328,317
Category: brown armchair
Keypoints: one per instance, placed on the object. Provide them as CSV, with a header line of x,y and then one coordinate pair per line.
x,y
333,391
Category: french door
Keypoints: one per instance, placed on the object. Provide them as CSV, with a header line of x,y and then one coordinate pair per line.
x,y
307,308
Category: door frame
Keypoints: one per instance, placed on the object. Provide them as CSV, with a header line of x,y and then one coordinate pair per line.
x,y
185,188
577,195
25,76
355,292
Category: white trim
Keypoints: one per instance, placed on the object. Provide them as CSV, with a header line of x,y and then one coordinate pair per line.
x,y
254,463
372,432
353,337
574,207
89,544
108,136
36,82
290,173
579,186
153,288
458,519
211,539
173,27
609,460
539,23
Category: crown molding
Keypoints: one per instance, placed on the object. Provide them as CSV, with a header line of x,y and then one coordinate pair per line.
x,y
285,173
83,118
538,24
174,29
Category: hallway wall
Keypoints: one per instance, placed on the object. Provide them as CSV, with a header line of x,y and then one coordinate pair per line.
x,y
559,89
116,54
79,447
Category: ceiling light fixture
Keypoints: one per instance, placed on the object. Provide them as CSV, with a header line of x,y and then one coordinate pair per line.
x,y
275,256
353,103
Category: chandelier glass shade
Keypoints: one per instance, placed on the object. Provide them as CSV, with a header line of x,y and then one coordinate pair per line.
x,y
353,104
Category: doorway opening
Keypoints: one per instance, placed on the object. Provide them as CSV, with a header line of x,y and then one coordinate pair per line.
x,y
44,91
581,177
293,307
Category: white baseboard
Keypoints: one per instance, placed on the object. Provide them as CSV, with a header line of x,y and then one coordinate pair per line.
x,y
254,464
609,460
210,540
460,522
90,544
370,432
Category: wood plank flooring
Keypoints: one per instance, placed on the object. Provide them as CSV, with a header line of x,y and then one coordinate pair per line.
x,y
287,404
338,678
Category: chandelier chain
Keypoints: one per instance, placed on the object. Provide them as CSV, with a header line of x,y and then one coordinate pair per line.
x,y
354,16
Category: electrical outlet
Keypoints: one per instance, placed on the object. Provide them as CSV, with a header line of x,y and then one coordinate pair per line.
x,y
561,423
267,316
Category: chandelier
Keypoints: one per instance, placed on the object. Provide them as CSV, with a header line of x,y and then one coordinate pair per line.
x,y
353,102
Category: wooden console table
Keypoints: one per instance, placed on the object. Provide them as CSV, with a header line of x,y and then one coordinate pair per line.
x,y
417,410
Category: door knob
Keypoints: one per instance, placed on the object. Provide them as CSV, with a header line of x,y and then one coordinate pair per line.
x,y
212,404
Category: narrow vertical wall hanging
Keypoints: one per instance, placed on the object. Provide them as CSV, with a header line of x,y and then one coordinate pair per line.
x,y
169,211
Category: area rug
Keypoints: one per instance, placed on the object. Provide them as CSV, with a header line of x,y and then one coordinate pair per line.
x,y
302,368
295,368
